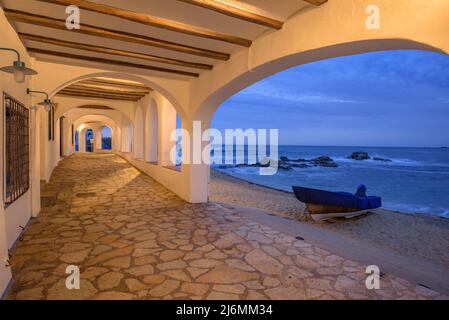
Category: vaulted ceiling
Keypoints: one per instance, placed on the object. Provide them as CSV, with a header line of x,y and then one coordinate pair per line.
x,y
166,38
169,38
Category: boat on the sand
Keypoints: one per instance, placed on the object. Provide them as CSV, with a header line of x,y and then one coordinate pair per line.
x,y
323,205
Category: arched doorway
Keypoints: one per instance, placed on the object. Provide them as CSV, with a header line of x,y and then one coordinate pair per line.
x,y
90,140
106,138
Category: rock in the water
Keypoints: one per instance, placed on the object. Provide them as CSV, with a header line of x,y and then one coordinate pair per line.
x,y
359,155
324,161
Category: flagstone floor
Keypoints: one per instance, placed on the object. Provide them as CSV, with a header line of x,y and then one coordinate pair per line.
x,y
134,239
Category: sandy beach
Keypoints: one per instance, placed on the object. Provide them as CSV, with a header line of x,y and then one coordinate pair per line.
x,y
413,235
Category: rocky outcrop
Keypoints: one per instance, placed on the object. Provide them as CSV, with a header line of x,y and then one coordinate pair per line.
x,y
324,161
362,155
359,155
286,164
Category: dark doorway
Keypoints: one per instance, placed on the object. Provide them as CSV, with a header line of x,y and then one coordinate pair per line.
x,y
76,141
89,140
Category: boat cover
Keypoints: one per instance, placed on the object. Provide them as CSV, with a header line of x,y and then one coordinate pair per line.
x,y
341,199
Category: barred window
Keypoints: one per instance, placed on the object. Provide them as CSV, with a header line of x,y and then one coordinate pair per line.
x,y
17,178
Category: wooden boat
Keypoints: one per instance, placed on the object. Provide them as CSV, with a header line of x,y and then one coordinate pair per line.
x,y
323,205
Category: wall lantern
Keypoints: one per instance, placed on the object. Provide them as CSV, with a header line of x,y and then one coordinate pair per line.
x,y
46,103
18,68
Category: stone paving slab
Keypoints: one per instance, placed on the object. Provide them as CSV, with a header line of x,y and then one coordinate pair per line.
x,y
134,239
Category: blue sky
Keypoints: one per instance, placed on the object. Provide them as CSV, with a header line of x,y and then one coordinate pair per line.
x,y
394,98
106,132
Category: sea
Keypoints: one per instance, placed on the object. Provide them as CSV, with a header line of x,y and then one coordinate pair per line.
x,y
415,181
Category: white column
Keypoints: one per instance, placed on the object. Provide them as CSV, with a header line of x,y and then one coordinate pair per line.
x,y
194,169
82,140
44,145
167,124
98,138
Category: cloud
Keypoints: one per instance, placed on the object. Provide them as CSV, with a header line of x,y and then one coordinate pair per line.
x,y
310,97
400,94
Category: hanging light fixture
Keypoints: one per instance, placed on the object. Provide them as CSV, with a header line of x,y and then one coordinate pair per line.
x,y
47,103
18,68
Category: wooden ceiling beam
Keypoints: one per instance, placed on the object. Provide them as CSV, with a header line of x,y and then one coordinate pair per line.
x,y
99,87
110,92
115,83
87,89
29,18
153,21
316,2
100,93
106,87
111,51
94,96
95,106
235,12
110,62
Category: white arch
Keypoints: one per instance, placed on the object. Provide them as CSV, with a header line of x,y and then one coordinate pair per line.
x,y
155,85
151,132
82,146
111,130
337,28
209,105
138,134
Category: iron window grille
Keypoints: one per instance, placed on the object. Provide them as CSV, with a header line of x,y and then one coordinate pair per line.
x,y
17,149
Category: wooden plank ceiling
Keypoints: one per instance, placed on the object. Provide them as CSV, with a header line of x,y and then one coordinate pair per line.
x,y
103,88
166,38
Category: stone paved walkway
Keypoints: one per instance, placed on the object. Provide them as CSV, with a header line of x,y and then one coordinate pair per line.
x,y
133,239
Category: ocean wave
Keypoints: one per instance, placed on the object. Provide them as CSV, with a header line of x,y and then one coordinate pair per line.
x,y
419,209
393,161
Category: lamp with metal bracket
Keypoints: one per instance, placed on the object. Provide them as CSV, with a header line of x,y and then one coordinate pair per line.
x,y
47,103
18,68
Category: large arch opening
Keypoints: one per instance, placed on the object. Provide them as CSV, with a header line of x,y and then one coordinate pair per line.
x,y
393,105
390,106
106,138
89,138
